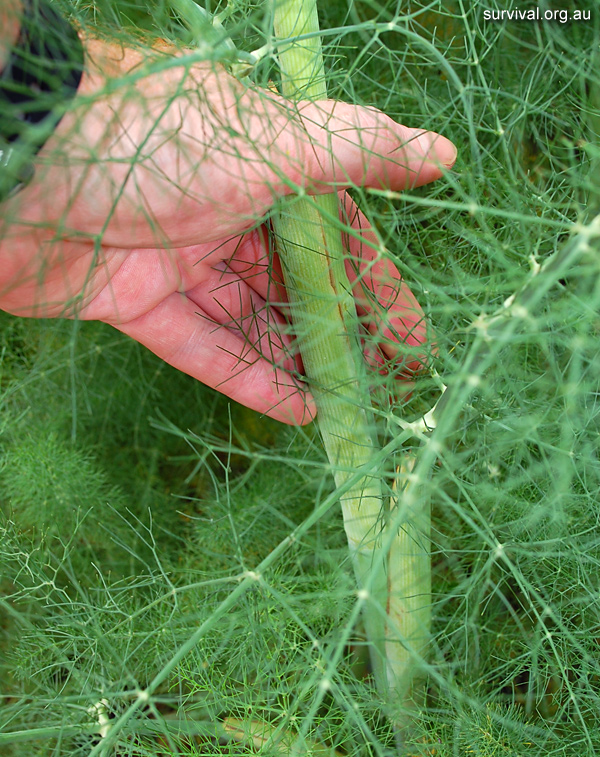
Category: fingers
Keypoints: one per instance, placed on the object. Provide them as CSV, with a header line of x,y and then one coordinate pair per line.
x,y
221,359
259,266
389,309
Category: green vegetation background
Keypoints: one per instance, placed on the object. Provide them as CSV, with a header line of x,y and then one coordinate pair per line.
x,y
133,498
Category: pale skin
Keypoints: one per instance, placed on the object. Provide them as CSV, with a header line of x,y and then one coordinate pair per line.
x,y
145,213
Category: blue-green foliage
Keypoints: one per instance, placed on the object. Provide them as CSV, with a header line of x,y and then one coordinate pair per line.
x,y
136,503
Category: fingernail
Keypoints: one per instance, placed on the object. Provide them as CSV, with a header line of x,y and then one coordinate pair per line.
x,y
298,406
438,149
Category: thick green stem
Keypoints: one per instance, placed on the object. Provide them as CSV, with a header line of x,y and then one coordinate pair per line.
x,y
394,568
312,255
593,124
409,592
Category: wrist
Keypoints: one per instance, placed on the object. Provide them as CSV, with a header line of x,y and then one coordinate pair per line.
x,y
39,77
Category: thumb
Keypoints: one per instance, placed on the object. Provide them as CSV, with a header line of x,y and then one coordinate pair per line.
x,y
340,145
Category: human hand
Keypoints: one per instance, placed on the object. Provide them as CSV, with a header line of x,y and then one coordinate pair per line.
x,y
144,214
